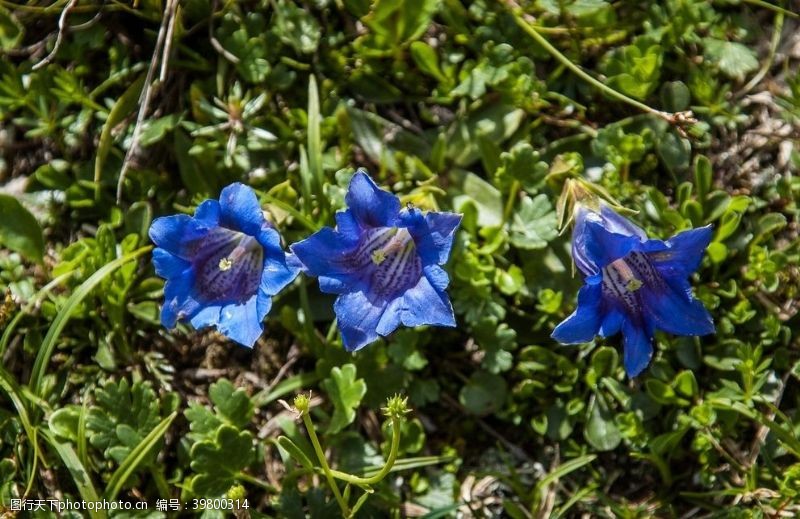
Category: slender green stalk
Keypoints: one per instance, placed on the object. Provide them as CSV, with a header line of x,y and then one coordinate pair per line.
x,y
512,199
247,478
324,464
533,33
773,48
776,8
377,478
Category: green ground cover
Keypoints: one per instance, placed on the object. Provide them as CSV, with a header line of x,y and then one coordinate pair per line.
x,y
684,113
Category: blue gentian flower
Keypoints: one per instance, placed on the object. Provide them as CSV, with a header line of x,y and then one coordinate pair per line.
x,y
384,262
222,265
633,284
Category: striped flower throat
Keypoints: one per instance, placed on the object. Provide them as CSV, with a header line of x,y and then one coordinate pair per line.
x,y
229,266
394,265
623,277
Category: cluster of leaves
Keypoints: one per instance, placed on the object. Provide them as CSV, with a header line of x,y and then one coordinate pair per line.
x,y
452,105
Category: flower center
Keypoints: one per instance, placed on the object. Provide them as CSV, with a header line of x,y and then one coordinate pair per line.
x,y
398,241
622,278
387,259
624,275
228,266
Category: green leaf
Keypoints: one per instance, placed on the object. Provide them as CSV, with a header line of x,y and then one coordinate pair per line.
x,y
768,225
662,393
534,223
702,176
11,31
63,423
81,477
19,230
686,384
427,60
345,392
123,106
155,130
484,393
137,457
296,27
486,198
393,22
217,462
496,122
295,452
63,316
601,432
122,416
675,96
733,59
674,151
232,403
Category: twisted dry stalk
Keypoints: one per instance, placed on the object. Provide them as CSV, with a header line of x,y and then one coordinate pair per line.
x,y
160,55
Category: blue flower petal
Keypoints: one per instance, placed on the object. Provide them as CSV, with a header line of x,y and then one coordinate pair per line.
x,y
323,254
172,232
178,304
240,209
612,323
637,349
602,246
241,323
683,253
424,305
370,205
618,224
208,213
433,233
206,316
390,319
358,319
276,275
586,252
347,226
584,322
168,265
437,276
673,309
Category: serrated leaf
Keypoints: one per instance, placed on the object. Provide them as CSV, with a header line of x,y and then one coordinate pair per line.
x,y
122,416
232,403
345,392
218,461
733,59
534,223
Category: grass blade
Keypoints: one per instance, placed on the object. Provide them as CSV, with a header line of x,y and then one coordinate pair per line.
x,y
79,474
126,103
63,316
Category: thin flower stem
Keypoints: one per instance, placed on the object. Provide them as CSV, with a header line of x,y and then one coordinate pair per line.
x,y
512,199
324,464
377,478
516,12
